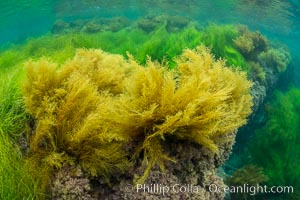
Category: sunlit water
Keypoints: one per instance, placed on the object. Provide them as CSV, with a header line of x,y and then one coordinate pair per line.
x,y
278,19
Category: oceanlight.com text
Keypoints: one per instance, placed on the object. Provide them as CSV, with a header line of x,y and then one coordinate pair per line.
x,y
250,189
213,188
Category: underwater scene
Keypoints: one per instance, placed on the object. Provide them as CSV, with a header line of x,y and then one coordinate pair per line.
x,y
146,100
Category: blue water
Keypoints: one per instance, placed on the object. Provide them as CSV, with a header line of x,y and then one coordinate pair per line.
x,y
278,19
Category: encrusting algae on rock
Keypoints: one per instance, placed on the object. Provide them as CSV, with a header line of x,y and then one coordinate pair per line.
x,y
96,103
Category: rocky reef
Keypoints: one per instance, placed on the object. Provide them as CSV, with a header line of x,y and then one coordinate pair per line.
x,y
265,61
178,126
192,176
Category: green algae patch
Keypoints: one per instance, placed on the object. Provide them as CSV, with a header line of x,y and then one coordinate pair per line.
x,y
275,146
